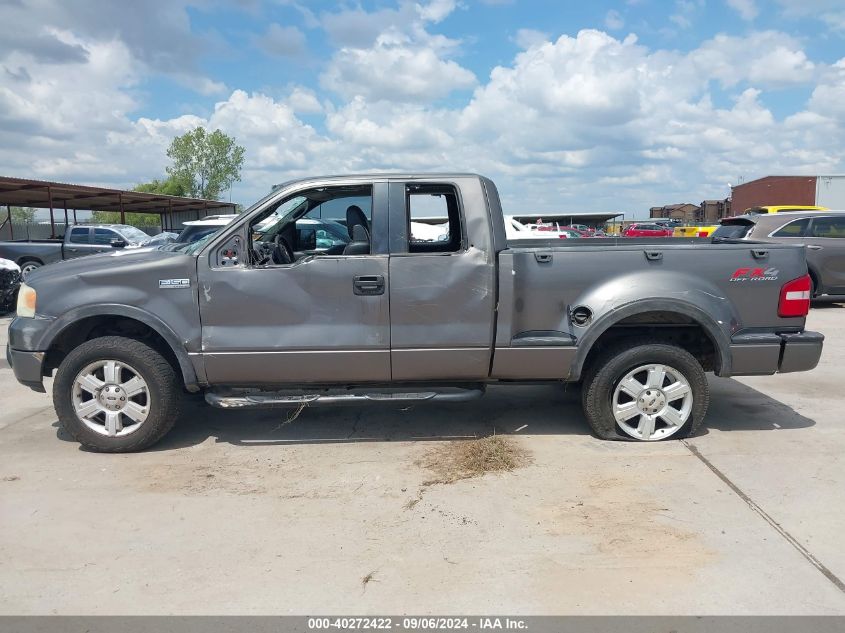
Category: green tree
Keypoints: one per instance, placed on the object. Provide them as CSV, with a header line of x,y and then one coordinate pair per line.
x,y
206,164
23,214
169,186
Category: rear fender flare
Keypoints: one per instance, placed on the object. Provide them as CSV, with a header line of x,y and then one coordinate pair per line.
x,y
720,339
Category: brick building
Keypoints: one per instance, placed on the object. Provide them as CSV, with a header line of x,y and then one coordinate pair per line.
x,y
823,191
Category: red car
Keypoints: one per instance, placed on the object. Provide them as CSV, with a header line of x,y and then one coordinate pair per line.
x,y
646,230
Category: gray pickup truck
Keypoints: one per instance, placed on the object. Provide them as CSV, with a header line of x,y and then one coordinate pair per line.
x,y
255,316
79,241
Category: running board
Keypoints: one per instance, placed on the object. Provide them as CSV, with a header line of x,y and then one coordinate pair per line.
x,y
274,399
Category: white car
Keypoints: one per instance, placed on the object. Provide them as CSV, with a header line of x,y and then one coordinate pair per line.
x,y
515,230
198,229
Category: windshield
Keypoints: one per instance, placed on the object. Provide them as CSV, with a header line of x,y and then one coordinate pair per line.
x,y
134,235
194,247
267,228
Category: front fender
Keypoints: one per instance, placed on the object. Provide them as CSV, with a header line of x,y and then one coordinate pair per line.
x,y
39,334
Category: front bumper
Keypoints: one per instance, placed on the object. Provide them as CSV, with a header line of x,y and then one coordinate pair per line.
x,y
27,367
766,354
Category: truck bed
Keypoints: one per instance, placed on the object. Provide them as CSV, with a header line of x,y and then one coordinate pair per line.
x,y
546,287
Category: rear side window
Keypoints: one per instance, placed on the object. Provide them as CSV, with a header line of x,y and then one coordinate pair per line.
x,y
828,227
735,231
793,229
79,236
434,219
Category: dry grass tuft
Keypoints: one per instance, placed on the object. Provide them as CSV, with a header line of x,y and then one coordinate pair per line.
x,y
473,458
371,577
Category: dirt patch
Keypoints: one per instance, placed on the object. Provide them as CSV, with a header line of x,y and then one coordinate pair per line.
x,y
473,458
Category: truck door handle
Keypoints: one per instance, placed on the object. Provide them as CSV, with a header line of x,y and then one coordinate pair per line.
x,y
759,254
543,258
653,256
368,285
813,247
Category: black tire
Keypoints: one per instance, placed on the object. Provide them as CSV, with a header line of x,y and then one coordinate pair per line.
x,y
165,391
27,266
612,365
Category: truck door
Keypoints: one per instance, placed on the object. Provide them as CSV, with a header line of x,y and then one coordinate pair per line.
x,y
321,318
442,281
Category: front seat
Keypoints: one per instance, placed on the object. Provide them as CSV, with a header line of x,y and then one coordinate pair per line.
x,y
358,228
360,244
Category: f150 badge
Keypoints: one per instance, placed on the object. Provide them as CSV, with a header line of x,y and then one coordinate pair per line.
x,y
174,283
755,274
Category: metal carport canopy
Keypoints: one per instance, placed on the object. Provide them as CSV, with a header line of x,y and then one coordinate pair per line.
x,y
43,194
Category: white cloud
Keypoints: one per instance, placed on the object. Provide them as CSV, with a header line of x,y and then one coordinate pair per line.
x,y
581,120
747,9
282,41
765,58
395,72
613,20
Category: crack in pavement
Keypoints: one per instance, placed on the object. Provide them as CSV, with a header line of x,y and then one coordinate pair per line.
x,y
807,554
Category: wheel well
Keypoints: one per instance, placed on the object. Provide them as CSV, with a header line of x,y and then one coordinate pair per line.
x,y
24,260
106,325
666,326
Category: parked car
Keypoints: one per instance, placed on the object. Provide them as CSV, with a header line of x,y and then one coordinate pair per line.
x,y
10,281
694,231
165,237
515,230
783,208
642,229
241,317
194,230
585,230
822,233
79,240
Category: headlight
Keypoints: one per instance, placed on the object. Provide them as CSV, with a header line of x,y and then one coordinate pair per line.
x,y
26,301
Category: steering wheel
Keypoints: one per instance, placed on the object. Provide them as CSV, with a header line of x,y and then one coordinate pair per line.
x,y
281,251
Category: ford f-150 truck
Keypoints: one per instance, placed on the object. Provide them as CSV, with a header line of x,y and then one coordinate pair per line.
x,y
79,240
255,316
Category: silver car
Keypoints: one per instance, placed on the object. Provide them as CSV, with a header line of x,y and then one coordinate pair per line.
x,y
822,232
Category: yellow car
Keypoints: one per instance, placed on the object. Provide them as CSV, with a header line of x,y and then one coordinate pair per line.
x,y
693,231
786,207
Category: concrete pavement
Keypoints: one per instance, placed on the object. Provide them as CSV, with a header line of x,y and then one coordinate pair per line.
x,y
240,513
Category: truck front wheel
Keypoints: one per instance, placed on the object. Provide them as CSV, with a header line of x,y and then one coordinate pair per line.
x,y
116,395
645,391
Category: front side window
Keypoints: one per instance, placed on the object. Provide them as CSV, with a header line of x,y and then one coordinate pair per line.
x,y
320,221
793,229
104,236
434,219
828,227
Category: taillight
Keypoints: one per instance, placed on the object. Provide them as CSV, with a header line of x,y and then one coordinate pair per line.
x,y
795,297
702,234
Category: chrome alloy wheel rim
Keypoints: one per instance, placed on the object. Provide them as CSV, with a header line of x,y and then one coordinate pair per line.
x,y
652,402
111,398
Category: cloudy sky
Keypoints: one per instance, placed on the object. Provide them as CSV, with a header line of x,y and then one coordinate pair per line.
x,y
571,106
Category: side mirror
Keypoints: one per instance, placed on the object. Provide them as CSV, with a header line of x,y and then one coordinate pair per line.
x,y
306,240
118,243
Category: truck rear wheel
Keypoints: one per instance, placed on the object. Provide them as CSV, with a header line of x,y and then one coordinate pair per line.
x,y
116,395
645,391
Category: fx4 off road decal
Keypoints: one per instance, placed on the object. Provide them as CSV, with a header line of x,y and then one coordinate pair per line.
x,y
755,274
